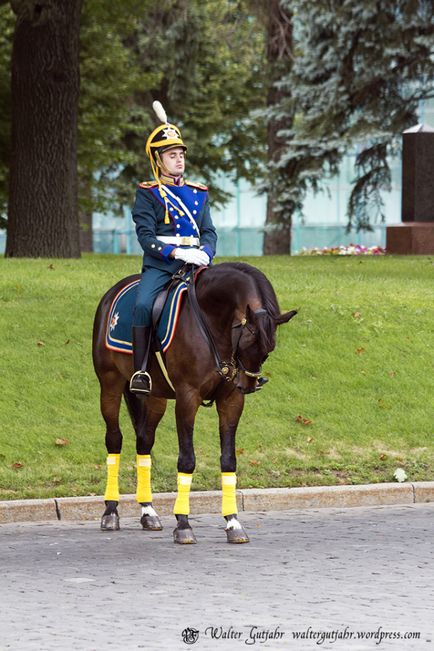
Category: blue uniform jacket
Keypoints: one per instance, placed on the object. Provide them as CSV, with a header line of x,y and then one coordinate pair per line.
x,y
149,214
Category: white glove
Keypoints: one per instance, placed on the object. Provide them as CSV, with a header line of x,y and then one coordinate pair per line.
x,y
192,256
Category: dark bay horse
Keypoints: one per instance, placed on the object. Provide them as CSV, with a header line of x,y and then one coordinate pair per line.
x,y
241,314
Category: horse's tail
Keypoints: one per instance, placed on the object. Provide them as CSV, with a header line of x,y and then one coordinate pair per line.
x,y
136,408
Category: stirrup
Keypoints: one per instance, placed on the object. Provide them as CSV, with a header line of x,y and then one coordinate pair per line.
x,y
141,382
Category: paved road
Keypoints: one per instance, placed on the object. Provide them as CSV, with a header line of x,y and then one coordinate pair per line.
x,y
70,586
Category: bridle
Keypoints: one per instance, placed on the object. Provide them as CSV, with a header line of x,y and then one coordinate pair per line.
x,y
236,342
227,370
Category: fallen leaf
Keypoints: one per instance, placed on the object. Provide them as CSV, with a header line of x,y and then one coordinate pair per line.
x,y
40,344
392,374
356,315
383,457
17,465
239,450
253,462
302,420
51,266
67,342
360,350
61,442
310,439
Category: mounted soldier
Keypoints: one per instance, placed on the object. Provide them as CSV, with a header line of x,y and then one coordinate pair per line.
x,y
173,226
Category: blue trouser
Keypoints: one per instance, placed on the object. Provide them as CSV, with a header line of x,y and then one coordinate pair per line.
x,y
151,283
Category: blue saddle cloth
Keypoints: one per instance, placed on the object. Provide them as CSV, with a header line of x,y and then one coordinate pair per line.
x,y
120,318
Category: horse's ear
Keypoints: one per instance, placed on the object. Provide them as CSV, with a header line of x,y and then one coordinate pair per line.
x,y
285,317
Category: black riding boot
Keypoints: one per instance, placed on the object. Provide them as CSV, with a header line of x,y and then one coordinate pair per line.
x,y
141,382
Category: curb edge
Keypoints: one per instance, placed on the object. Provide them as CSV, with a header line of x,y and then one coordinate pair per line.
x,y
249,499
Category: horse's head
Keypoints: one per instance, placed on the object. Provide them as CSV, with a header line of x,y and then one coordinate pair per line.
x,y
253,339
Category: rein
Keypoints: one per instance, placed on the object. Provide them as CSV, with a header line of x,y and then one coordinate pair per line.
x,y
223,368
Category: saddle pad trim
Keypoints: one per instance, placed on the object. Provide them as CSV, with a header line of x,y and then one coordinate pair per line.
x,y
119,346
175,307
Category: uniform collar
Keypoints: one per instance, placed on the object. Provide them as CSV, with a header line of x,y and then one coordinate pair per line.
x,y
172,180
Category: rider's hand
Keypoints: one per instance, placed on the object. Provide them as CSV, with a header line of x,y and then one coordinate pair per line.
x,y
192,256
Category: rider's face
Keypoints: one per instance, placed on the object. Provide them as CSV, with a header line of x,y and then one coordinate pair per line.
x,y
173,161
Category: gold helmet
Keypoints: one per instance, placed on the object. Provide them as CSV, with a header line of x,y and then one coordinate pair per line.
x,y
164,137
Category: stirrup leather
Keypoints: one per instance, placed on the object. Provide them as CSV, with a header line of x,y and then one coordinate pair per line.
x,y
138,375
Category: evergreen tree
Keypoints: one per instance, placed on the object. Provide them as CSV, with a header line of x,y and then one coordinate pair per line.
x,y
358,75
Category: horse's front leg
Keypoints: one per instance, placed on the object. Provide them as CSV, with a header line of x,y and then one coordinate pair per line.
x,y
187,404
111,394
230,409
152,412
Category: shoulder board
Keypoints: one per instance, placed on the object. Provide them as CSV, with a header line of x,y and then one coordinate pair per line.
x,y
148,184
199,186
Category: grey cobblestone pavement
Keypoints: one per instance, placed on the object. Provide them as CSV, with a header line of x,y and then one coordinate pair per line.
x,y
67,585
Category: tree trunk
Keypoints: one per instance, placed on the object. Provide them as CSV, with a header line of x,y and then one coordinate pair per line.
x,y
43,214
277,234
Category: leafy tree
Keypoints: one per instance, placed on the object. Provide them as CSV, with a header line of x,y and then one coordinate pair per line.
x,y
358,74
209,55
110,76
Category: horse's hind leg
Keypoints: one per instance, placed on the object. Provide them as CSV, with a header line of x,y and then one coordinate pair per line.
x,y
145,415
230,409
187,404
112,385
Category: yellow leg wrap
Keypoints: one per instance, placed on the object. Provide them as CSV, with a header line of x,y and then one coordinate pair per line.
x,y
143,493
112,486
182,504
229,487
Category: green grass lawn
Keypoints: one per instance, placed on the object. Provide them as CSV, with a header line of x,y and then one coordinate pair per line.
x,y
350,396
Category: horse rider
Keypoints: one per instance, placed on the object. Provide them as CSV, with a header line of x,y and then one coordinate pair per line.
x,y
173,226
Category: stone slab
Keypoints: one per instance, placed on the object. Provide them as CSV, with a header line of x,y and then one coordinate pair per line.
x,y
424,491
27,511
327,496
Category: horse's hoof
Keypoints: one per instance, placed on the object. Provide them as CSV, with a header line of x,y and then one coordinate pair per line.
x,y
184,536
151,522
236,535
110,522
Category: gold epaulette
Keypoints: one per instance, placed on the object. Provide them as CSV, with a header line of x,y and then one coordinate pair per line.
x,y
148,184
200,186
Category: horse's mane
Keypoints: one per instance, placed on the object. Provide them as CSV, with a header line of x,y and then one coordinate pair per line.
x,y
263,285
268,298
